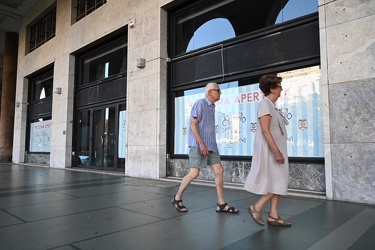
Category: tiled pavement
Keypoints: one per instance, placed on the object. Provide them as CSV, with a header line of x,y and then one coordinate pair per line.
x,y
45,208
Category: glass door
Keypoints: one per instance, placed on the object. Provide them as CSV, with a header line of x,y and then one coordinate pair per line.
x,y
97,141
109,138
97,144
121,140
83,139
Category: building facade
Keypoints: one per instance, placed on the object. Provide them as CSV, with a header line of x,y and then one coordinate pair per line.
x,y
108,85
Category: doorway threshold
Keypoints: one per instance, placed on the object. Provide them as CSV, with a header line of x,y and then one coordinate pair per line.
x,y
97,171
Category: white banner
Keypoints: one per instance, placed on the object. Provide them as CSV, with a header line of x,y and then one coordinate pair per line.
x,y
122,134
236,116
40,134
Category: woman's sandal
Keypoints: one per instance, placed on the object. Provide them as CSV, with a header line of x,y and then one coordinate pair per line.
x,y
177,206
221,208
278,222
252,211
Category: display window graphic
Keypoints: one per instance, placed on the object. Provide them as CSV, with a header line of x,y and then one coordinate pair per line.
x,y
40,135
236,116
122,135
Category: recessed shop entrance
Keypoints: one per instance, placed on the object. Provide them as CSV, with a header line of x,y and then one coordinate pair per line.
x,y
100,106
101,138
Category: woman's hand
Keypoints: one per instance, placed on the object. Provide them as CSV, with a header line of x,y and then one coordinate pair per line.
x,y
280,158
265,123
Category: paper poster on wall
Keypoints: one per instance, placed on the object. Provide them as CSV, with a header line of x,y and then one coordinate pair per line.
x,y
40,134
236,116
122,134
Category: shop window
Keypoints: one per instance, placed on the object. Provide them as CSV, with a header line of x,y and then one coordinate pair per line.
x,y
43,29
255,38
40,134
85,7
236,119
40,112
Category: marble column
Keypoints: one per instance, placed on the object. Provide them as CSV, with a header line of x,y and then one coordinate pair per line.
x,y
8,95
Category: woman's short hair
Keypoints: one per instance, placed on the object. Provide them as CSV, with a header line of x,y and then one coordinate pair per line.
x,y
268,82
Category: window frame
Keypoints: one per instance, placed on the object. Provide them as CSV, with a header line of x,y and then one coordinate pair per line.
x,y
46,78
42,29
244,16
220,73
38,109
99,53
85,7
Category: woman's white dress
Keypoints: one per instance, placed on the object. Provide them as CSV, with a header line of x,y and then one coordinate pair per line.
x,y
266,174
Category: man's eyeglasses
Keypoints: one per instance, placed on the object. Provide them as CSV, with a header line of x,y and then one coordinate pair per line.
x,y
217,90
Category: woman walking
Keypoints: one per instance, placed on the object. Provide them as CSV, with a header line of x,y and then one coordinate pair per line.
x,y
269,171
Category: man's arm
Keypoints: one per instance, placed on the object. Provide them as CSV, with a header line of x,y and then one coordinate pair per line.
x,y
198,137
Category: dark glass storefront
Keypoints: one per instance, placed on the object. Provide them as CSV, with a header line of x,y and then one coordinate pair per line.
x,y
101,107
262,38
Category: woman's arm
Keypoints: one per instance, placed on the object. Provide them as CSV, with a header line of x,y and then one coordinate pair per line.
x,y
265,124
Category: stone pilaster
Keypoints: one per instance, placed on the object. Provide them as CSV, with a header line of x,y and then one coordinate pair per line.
x,y
8,95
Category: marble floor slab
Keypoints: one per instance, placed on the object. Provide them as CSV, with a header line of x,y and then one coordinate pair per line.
x,y
45,208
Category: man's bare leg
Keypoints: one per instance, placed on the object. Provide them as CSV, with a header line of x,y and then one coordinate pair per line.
x,y
218,172
219,183
193,173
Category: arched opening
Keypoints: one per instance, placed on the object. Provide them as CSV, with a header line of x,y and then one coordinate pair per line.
x,y
296,8
211,32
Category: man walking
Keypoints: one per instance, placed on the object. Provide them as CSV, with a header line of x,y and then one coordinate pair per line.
x,y
203,148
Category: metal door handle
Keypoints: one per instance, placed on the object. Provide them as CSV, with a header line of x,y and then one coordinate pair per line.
x,y
102,143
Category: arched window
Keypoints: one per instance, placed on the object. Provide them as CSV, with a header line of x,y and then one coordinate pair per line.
x,y
41,87
211,32
42,94
212,21
297,8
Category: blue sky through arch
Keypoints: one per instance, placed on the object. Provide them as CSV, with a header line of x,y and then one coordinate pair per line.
x,y
220,29
213,31
297,8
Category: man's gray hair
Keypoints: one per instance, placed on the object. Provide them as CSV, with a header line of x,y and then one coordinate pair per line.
x,y
210,86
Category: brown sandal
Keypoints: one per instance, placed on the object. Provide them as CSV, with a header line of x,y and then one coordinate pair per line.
x,y
178,205
226,208
278,222
252,211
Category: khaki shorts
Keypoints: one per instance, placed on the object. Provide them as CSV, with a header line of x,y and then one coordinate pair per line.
x,y
197,160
